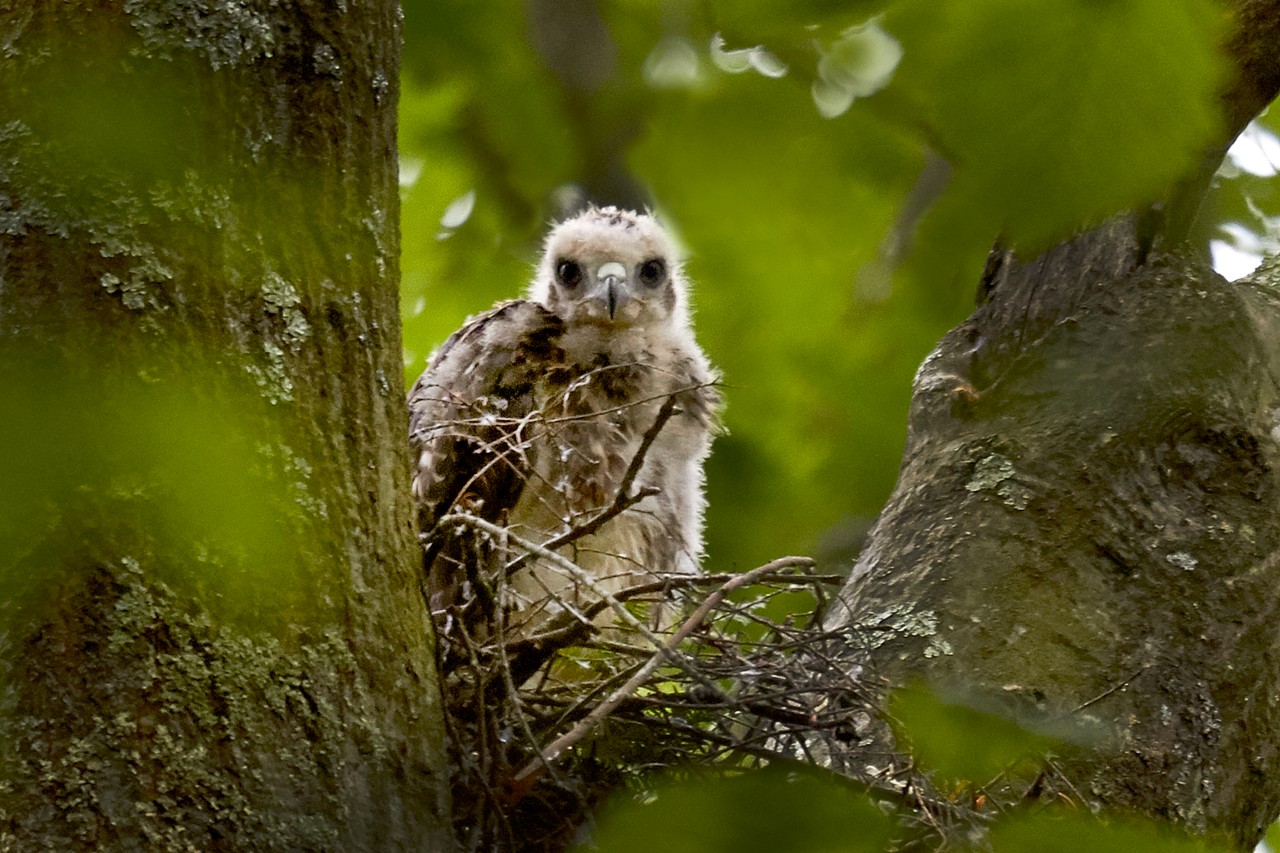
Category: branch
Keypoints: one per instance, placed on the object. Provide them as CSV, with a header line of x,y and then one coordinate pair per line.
x,y
530,773
564,563
669,582
622,501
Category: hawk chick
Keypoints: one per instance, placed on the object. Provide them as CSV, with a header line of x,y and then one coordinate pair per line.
x,y
531,414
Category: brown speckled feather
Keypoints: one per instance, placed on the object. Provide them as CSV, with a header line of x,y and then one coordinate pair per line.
x,y
468,404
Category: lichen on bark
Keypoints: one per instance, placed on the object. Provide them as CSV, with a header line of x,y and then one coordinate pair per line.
x,y
213,632
1134,410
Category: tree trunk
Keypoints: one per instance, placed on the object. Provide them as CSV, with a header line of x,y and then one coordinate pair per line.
x,y
212,633
1085,523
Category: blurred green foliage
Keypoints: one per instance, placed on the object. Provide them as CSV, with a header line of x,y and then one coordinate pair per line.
x,y
1060,112
110,115
225,507
821,279
967,740
772,810
1062,831
964,745
801,810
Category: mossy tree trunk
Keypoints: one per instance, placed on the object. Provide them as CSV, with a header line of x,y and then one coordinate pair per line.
x,y
211,632
1085,526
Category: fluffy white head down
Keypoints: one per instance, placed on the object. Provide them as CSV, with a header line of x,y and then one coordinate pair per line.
x,y
612,267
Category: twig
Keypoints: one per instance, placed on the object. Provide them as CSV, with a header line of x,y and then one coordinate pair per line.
x,y
563,563
668,583
1104,694
513,696
533,770
483,746
646,441
622,500
640,402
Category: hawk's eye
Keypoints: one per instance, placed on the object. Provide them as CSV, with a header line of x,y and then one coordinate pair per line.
x,y
569,273
652,272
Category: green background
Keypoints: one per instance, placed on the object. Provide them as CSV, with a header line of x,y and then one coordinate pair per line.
x,y
1050,116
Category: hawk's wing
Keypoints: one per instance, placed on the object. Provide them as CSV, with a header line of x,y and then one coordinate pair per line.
x,y
468,412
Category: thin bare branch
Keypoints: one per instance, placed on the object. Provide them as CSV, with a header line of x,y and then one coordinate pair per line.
x,y
666,651
623,499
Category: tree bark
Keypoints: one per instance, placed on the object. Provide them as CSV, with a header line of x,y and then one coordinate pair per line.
x,y
1085,524
213,634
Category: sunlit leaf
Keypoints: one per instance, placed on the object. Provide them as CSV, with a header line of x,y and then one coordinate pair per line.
x,y
859,63
673,63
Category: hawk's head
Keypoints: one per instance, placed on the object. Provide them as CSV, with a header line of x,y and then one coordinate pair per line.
x,y
611,267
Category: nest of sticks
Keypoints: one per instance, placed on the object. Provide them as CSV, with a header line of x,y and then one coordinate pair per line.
x,y
542,728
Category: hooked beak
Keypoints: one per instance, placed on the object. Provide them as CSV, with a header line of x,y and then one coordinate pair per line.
x,y
611,277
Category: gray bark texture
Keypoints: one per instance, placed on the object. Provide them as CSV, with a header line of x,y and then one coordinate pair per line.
x,y
1085,528
211,633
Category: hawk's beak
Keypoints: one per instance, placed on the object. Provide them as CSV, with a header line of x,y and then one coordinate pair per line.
x,y
612,277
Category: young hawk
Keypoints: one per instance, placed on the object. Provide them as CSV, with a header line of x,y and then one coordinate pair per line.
x,y
531,415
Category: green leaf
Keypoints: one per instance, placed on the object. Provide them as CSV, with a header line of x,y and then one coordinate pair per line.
x,y
111,115
1060,831
1273,836
767,811
1062,112
104,465
959,741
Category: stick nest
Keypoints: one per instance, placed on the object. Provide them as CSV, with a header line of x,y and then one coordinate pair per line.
x,y
541,729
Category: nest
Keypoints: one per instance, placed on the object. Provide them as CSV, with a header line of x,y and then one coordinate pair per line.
x,y
544,724
542,728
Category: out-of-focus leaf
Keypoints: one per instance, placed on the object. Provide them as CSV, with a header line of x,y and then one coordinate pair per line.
x,y
1061,831
1273,836
479,114
1062,112
960,742
767,811
449,273
116,115
214,503
859,63
782,216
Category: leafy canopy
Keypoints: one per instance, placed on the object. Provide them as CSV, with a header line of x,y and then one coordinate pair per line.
x,y
822,280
